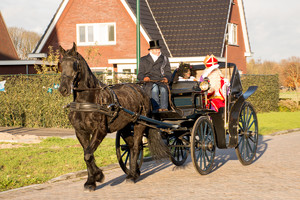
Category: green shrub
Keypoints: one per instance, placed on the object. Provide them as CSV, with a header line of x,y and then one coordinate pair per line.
x,y
28,103
266,98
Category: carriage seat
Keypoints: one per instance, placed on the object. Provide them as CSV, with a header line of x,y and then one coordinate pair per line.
x,y
182,87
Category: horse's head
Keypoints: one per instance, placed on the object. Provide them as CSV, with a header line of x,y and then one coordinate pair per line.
x,y
69,67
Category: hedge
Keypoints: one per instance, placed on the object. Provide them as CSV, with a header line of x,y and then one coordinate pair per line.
x,y
266,98
32,101
28,101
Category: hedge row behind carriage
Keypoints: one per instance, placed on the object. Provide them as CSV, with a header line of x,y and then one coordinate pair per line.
x,y
201,130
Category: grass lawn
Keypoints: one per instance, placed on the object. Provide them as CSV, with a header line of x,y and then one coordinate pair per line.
x,y
277,121
53,157
293,95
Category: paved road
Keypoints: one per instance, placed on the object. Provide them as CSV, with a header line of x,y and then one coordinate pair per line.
x,y
275,174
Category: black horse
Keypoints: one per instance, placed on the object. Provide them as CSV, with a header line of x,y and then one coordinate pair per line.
x,y
92,126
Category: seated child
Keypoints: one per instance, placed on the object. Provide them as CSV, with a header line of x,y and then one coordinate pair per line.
x,y
217,82
185,72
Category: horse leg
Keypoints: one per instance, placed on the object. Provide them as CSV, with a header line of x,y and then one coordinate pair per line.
x,y
134,172
89,147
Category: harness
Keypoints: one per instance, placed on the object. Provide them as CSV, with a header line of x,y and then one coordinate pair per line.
x,y
110,110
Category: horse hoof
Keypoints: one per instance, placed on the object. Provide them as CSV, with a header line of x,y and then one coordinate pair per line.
x,y
100,178
89,188
130,181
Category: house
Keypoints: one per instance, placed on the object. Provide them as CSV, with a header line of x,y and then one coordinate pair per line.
x,y
9,59
7,48
105,31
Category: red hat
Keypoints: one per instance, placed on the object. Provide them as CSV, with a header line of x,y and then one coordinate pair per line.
x,y
210,60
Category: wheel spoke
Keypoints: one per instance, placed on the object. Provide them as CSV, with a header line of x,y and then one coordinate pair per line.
x,y
126,151
178,153
242,142
208,134
204,132
249,145
253,139
127,158
249,119
203,156
201,132
199,155
251,124
207,156
242,128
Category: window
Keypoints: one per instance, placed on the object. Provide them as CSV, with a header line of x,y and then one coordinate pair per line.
x,y
126,70
232,34
96,34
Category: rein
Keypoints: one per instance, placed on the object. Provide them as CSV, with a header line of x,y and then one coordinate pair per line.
x,y
89,89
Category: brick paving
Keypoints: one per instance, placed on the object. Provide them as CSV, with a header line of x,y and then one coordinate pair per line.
x,y
275,174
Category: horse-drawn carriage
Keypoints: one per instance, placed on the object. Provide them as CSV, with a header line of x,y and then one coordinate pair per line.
x,y
189,126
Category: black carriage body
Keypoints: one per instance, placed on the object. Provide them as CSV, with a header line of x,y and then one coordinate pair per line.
x,y
187,102
189,127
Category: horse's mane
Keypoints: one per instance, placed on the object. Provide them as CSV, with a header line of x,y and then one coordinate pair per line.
x,y
90,79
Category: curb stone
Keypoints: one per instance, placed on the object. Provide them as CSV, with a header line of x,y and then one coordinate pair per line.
x,y
285,132
82,173
71,175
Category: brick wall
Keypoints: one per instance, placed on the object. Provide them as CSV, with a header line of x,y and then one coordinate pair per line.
x,y
94,11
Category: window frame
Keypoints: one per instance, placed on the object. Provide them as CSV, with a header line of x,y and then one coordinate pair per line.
x,y
97,40
232,34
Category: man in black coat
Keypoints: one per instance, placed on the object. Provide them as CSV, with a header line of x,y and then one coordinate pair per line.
x,y
156,67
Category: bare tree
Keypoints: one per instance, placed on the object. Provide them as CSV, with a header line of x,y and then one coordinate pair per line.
x,y
287,69
24,41
258,67
292,71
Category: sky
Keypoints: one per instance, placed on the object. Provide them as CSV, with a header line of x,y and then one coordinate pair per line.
x,y
273,25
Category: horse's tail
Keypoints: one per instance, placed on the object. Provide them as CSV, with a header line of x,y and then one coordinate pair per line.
x,y
158,148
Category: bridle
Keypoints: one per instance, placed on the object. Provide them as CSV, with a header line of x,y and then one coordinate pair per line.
x,y
74,77
75,81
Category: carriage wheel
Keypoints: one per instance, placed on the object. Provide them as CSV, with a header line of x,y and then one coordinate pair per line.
x,y
203,145
178,154
247,134
123,152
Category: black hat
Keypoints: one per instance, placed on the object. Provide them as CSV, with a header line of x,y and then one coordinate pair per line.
x,y
154,44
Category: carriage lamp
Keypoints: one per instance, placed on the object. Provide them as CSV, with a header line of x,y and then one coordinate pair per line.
x,y
205,85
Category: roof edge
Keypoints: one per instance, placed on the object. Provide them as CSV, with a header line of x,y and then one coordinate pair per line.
x,y
13,45
133,17
50,27
244,27
226,27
